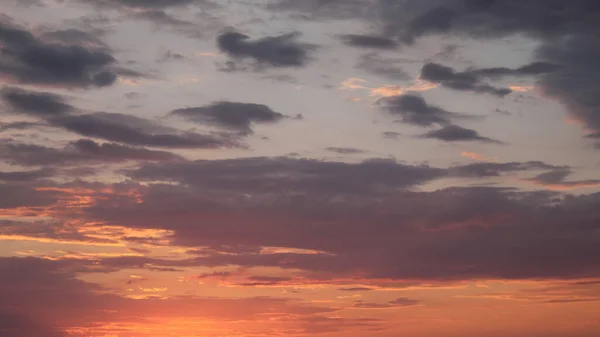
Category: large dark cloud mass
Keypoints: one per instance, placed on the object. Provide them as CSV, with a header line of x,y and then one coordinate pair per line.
x,y
366,220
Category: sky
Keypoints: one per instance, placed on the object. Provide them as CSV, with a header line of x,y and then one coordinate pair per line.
x,y
257,168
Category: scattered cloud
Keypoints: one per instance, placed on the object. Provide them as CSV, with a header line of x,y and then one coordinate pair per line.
x,y
369,41
28,59
231,115
272,51
455,133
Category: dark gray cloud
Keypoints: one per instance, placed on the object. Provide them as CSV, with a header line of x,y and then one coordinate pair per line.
x,y
577,84
231,115
283,175
344,150
74,36
114,127
455,133
274,51
488,19
416,111
138,131
369,41
81,151
483,169
18,126
471,79
391,134
23,176
534,68
27,59
41,104
292,175
557,179
463,81
16,194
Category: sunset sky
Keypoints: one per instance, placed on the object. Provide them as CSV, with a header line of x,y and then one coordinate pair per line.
x,y
335,168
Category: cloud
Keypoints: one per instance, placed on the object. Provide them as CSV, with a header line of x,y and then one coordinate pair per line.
x,y
74,36
449,234
15,324
274,51
114,127
356,289
369,41
35,291
78,152
455,133
42,104
477,156
577,84
160,17
416,111
472,79
401,302
555,180
20,176
231,115
144,4
463,81
491,169
137,131
27,59
487,19
15,195
567,49
253,175
48,231
345,150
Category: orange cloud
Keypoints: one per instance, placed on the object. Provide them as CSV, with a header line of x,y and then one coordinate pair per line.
x,y
385,90
395,90
477,157
521,88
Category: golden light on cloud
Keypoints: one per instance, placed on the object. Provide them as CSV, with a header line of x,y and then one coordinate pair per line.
x,y
395,90
128,82
477,157
521,88
353,84
388,90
